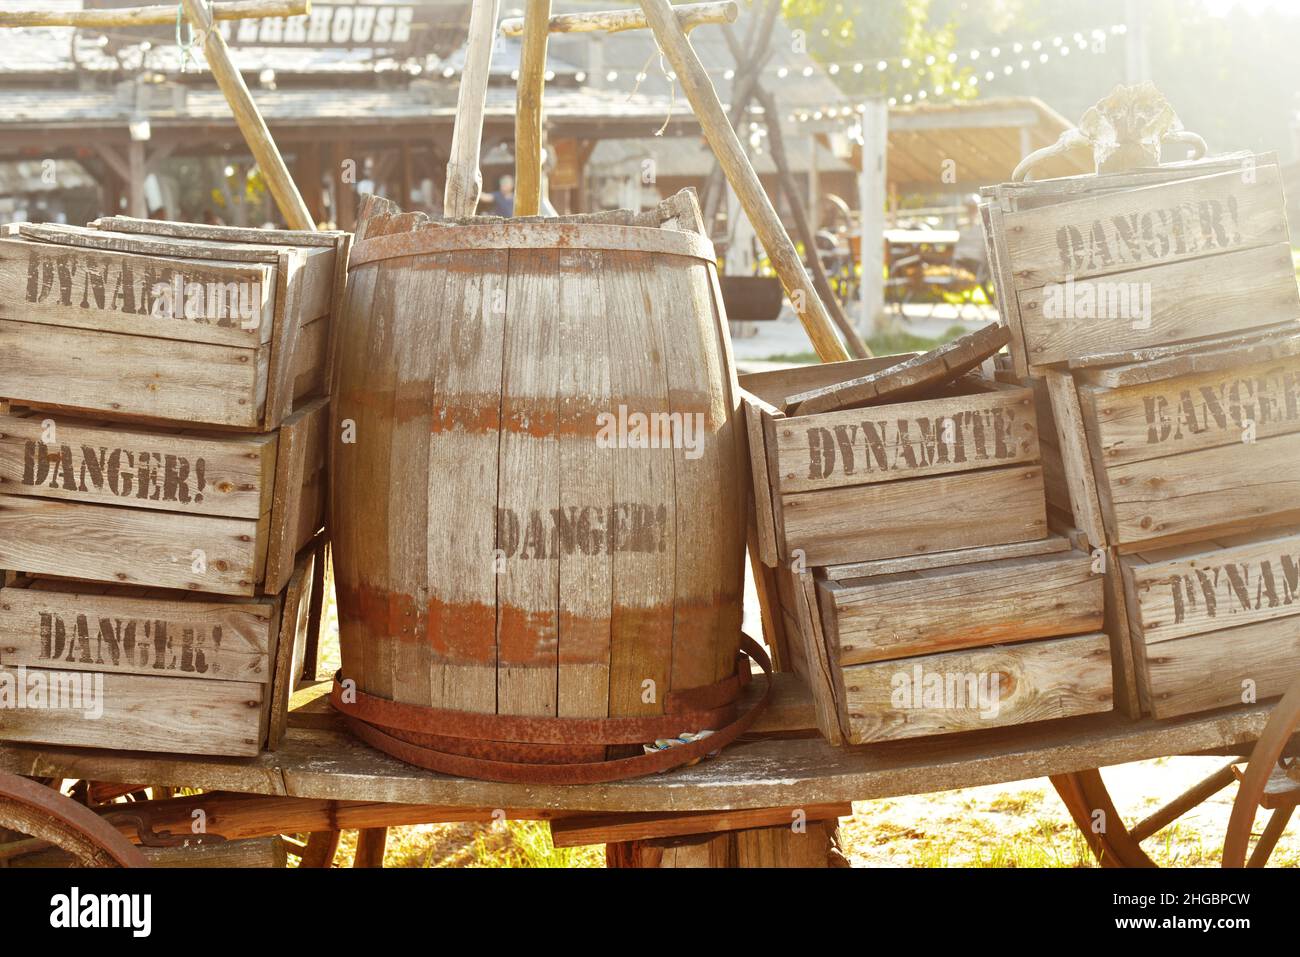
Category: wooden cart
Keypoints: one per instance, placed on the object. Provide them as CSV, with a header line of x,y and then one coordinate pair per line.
x,y
772,799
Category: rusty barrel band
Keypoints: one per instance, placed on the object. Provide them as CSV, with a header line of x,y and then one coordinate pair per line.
x,y
692,709
561,236
583,772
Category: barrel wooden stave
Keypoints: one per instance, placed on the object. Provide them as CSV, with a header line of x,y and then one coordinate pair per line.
x,y
490,366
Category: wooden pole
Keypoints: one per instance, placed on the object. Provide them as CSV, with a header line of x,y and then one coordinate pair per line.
x,y
464,180
758,207
785,176
249,120
689,15
528,109
873,192
149,16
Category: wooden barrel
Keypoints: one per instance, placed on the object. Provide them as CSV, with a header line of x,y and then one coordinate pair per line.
x,y
538,479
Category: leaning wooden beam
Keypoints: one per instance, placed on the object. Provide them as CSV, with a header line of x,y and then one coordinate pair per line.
x,y
528,109
250,122
689,15
464,181
758,207
149,16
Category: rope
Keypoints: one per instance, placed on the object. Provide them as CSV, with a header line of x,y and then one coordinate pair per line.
x,y
199,40
686,737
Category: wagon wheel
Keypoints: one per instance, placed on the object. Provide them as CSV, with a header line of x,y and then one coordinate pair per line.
x,y
47,816
1272,781
1115,844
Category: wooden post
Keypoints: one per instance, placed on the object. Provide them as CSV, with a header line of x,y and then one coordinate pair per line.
x,y
135,204
872,196
814,184
371,842
758,207
159,16
464,180
528,109
250,121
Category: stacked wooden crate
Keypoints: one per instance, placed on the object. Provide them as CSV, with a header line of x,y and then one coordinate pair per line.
x,y
1177,424
162,475
906,554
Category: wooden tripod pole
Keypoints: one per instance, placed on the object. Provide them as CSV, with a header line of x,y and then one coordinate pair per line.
x,y
464,180
758,207
268,158
528,108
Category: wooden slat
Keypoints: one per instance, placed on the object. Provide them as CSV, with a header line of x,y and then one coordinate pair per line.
x,y
943,609
136,295
345,464
992,218
130,375
297,508
1219,669
1036,681
907,440
579,830
1075,457
908,379
132,546
586,485
1192,412
211,474
917,516
528,593
149,713
774,385
1188,300
82,627
225,234
643,512
1188,219
291,638
1115,370
463,485
140,244
961,556
1182,494
762,480
1212,588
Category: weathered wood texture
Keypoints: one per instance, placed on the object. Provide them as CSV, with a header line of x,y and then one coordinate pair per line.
x,y
1140,259
151,670
848,632
1183,445
863,485
110,502
985,688
774,772
168,325
940,609
1214,622
576,547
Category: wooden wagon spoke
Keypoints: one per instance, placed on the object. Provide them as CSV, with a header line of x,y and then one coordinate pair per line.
x,y
1193,797
1272,832
1255,783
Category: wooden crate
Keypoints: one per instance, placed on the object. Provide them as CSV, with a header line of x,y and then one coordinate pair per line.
x,y
1029,612
1181,445
167,671
1208,242
90,321
1214,623
224,513
884,482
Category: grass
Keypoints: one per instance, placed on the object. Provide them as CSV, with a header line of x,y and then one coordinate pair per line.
x,y
886,343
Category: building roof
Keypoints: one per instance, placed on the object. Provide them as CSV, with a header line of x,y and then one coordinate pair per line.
x,y
985,139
